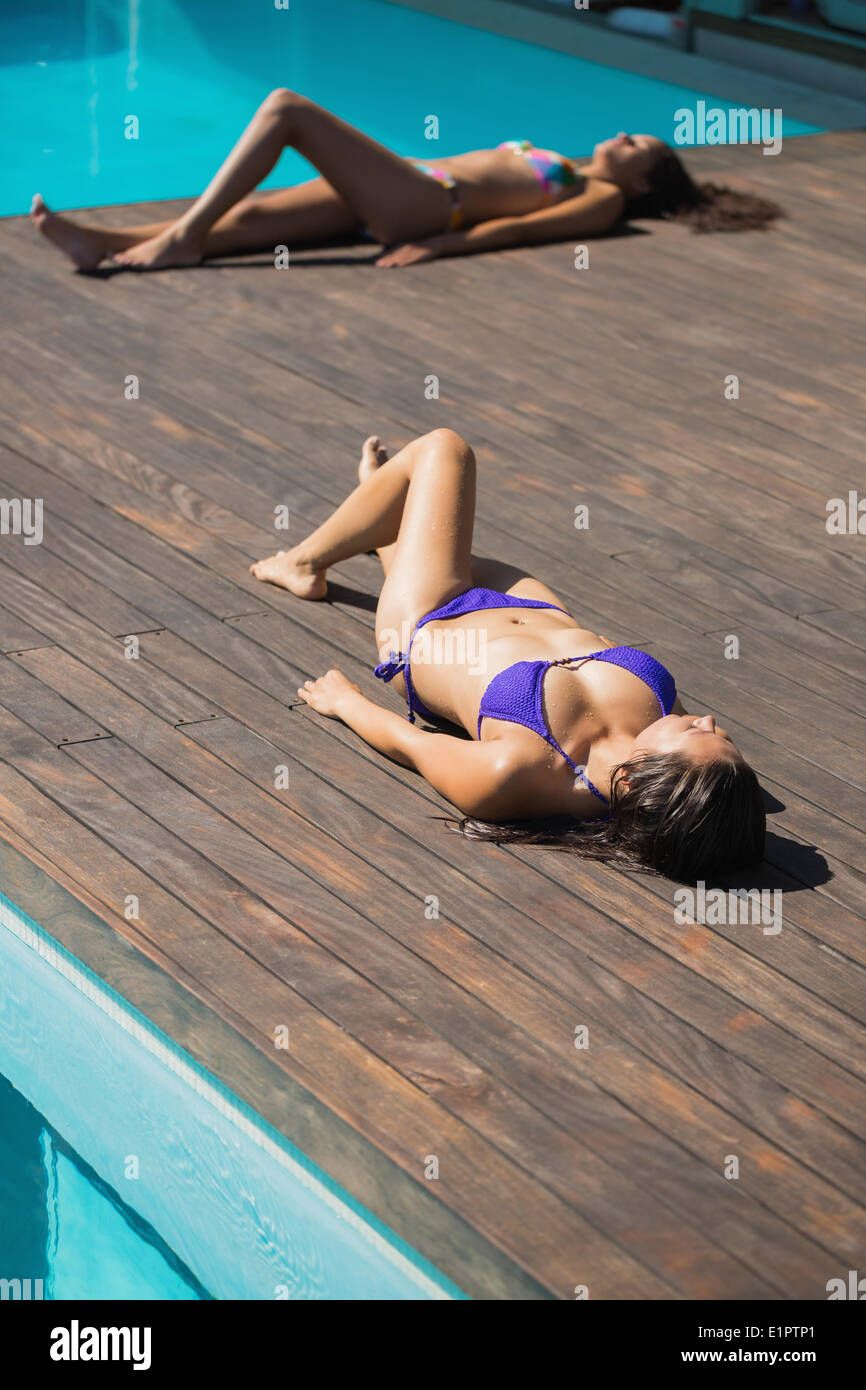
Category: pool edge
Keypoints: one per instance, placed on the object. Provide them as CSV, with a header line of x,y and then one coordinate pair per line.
x,y
632,53
68,914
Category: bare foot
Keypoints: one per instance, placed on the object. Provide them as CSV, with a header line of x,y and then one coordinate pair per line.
x,y
172,248
85,246
373,455
286,571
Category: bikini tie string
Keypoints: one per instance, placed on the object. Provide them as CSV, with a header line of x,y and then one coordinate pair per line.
x,y
387,670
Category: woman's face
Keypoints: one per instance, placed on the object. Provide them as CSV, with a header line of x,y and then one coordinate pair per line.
x,y
628,160
698,736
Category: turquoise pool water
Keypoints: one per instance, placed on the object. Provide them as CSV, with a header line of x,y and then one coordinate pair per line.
x,y
127,1171
193,71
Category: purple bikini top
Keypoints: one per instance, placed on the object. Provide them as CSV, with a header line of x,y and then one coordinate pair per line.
x,y
516,694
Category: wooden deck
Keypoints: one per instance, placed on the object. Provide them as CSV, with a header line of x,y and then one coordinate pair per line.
x,y
411,1035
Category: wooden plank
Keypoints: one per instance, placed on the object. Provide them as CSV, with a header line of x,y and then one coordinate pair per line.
x,y
16,635
849,627
66,629
815,694
56,718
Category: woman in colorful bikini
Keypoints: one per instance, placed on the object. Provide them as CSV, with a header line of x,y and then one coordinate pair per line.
x,y
575,742
514,195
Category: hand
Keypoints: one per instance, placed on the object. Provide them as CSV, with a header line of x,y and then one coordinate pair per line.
x,y
327,694
412,253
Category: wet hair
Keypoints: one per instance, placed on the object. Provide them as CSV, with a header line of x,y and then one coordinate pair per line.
x,y
706,207
669,815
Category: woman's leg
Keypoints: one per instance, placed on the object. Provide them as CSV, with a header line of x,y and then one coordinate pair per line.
x,y
494,574
308,213
510,579
385,192
422,503
431,561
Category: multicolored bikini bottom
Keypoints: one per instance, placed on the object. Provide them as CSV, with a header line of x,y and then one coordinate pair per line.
x,y
448,181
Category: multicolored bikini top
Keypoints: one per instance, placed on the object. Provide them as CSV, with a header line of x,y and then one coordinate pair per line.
x,y
553,171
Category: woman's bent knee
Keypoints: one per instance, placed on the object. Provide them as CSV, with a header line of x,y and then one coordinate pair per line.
x,y
448,440
284,103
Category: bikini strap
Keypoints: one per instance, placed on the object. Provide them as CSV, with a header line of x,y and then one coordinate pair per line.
x,y
400,662
580,773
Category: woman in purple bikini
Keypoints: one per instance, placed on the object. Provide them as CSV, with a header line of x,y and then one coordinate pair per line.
x,y
575,742
514,195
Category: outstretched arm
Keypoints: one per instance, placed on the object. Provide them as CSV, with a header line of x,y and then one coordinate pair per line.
x,y
475,777
590,213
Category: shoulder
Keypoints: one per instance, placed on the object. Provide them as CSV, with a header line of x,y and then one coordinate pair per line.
x,y
598,193
515,759
515,766
595,206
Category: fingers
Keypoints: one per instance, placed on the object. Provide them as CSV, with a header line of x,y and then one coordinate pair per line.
x,y
400,256
321,684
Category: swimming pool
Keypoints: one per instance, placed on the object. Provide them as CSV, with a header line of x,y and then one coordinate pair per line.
x,y
127,1171
191,73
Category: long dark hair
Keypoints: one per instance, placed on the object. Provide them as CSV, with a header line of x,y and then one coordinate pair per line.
x,y
706,207
668,815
